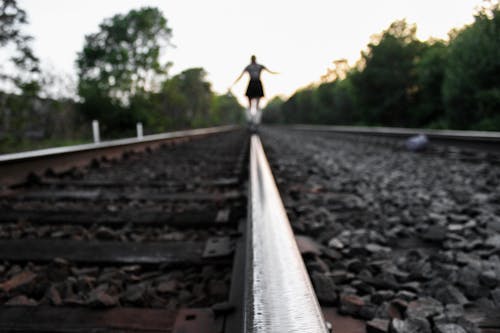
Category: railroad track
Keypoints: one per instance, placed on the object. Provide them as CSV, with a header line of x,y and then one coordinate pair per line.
x,y
147,236
186,232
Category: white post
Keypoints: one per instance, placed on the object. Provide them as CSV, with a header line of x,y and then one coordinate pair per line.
x,y
139,131
95,131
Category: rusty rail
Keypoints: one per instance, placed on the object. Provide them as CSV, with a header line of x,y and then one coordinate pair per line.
x,y
15,167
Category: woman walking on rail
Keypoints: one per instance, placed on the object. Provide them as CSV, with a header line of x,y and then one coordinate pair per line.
x,y
255,91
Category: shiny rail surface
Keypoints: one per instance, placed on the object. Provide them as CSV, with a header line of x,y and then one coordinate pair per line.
x,y
279,295
15,167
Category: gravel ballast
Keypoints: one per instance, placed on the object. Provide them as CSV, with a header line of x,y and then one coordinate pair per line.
x,y
410,242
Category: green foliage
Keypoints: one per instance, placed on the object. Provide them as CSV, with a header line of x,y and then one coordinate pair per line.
x,y
122,59
430,75
330,103
10,145
122,81
386,86
12,18
225,109
273,113
197,94
186,100
401,81
471,88
29,123
119,67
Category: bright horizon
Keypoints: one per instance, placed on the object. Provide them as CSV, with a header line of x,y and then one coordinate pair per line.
x,y
297,39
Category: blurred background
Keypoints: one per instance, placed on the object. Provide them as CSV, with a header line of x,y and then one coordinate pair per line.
x,y
169,65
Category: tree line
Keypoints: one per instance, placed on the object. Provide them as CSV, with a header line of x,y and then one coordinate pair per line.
x,y
122,80
402,81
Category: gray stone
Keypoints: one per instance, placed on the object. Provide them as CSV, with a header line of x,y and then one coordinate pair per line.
x,y
169,287
451,295
421,270
383,281
456,227
493,241
463,258
495,295
85,283
347,290
335,243
308,246
375,248
435,233
363,288
100,298
424,308
454,312
105,233
488,278
469,326
406,295
325,288
474,291
384,311
377,325
332,253
440,319
484,304
367,312
468,275
449,328
494,225
339,276
397,308
351,305
135,293
410,325
355,265
382,295
412,286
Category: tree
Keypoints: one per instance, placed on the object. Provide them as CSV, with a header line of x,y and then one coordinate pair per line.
x,y
471,88
386,83
187,97
12,18
225,109
121,63
273,112
430,75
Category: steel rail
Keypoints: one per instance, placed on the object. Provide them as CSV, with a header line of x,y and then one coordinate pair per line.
x,y
15,167
279,296
478,136
488,142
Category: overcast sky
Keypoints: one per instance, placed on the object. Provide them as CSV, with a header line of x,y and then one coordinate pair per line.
x,y
297,38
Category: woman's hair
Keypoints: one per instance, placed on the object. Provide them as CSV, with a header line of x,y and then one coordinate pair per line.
x,y
253,58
